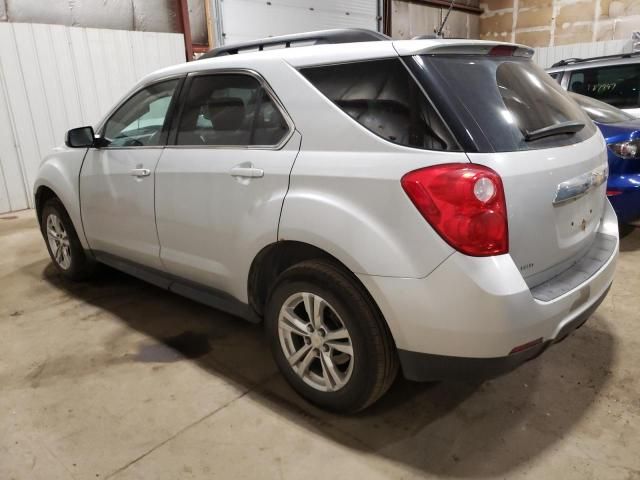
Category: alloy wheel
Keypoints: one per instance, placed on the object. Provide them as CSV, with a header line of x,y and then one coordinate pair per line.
x,y
315,342
58,242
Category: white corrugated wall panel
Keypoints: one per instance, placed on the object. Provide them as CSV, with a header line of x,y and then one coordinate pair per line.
x,y
244,20
53,78
547,56
24,144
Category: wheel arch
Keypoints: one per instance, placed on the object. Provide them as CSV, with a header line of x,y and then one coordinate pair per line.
x,y
42,194
59,177
276,257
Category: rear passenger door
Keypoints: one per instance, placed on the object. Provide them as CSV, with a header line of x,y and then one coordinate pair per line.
x,y
222,179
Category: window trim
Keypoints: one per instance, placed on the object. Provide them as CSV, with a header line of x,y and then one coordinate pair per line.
x,y
175,122
403,62
168,119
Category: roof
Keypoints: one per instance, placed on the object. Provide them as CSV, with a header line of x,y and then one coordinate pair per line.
x,y
323,54
334,36
605,61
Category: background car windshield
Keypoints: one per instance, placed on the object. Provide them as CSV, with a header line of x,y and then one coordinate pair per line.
x,y
617,85
601,112
496,100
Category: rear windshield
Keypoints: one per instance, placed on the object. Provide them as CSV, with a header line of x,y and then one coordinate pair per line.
x,y
501,103
601,112
617,85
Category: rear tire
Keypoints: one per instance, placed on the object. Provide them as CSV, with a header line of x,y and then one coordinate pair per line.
x,y
63,243
342,359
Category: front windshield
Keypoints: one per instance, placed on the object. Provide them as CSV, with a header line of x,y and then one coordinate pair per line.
x,y
599,111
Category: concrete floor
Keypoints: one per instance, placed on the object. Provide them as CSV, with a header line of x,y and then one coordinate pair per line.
x,y
118,379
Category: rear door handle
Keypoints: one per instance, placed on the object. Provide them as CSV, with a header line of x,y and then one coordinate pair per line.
x,y
246,172
140,172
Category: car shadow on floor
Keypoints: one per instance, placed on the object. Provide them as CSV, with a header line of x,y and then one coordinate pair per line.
x,y
631,242
458,429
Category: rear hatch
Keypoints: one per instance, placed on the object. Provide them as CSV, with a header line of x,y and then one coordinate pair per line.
x,y
510,116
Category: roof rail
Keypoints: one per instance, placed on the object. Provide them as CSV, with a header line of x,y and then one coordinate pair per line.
x,y
339,35
569,61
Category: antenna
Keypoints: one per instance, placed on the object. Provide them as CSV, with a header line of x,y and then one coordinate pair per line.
x,y
439,32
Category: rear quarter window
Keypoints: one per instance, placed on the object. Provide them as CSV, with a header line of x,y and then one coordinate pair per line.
x,y
617,85
382,96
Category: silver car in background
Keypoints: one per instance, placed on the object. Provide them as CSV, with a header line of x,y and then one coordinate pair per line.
x,y
612,79
433,206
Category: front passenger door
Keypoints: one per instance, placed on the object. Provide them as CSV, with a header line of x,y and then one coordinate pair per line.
x,y
117,179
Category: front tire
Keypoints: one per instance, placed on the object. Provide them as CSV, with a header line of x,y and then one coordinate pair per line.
x,y
328,338
63,243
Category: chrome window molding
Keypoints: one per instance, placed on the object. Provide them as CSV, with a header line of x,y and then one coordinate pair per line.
x,y
139,147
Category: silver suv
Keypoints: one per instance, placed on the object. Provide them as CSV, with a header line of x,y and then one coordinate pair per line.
x,y
434,206
613,79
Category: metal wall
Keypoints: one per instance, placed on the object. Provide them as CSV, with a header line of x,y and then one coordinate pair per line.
x,y
53,78
243,20
137,15
547,56
409,19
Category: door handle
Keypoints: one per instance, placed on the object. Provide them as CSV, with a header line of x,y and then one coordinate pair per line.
x,y
246,172
140,172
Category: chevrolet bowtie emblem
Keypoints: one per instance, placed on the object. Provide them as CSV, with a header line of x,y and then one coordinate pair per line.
x,y
579,186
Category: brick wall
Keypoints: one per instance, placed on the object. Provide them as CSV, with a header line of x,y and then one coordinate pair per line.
x,y
546,23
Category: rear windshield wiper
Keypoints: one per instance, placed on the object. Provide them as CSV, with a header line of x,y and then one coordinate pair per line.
x,y
558,128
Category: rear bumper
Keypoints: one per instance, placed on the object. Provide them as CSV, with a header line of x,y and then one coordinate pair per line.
x,y
425,367
475,311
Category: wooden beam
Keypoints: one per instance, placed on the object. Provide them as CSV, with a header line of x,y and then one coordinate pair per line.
x,y
200,48
210,26
386,17
183,18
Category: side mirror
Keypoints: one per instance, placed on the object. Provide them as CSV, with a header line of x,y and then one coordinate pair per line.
x,y
82,137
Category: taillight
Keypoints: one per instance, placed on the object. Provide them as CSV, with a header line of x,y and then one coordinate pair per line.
x,y
626,150
464,203
503,51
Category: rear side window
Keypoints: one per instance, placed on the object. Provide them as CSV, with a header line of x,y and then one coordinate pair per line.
x,y
230,110
501,104
618,85
384,98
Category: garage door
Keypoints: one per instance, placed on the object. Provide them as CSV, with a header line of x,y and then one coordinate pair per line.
x,y
244,20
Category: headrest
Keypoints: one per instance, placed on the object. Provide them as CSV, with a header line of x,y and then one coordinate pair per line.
x,y
226,113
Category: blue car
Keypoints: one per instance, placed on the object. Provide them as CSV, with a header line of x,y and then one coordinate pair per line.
x,y
622,133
